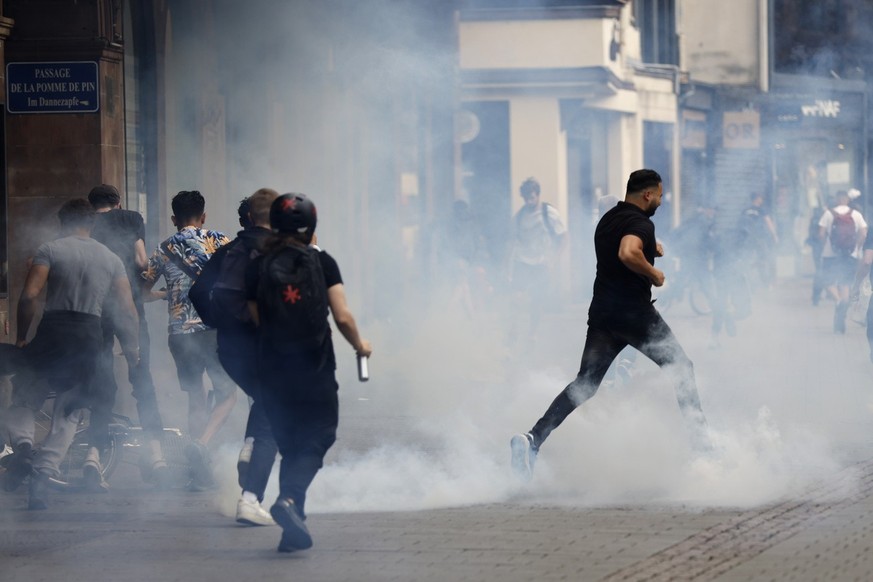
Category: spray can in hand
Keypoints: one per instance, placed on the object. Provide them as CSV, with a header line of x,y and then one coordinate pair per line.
x,y
363,368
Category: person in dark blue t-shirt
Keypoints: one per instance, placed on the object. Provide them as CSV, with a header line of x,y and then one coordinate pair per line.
x,y
621,314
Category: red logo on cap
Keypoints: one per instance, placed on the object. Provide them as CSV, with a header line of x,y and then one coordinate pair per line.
x,y
288,204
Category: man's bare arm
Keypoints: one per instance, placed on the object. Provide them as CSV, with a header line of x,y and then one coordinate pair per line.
x,y
34,283
345,321
630,253
140,256
148,295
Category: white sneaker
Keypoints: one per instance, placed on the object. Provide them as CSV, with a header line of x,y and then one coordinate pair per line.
x,y
524,456
251,513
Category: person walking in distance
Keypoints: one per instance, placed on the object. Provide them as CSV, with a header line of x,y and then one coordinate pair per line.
x,y
865,269
539,239
843,230
220,293
621,314
289,291
123,232
759,238
79,275
193,344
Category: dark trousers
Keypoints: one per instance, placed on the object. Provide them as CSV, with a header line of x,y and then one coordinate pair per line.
x,y
140,379
646,331
238,353
303,408
60,357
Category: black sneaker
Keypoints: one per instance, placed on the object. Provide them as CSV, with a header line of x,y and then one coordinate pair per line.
x,y
242,463
19,467
295,535
92,473
524,455
196,485
201,467
38,491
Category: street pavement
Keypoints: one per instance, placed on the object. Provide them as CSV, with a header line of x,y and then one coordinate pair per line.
x,y
787,495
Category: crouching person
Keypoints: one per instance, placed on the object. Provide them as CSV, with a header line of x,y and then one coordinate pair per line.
x,y
289,291
79,274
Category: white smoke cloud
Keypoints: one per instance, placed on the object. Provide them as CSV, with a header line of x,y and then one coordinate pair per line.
x,y
432,427
446,394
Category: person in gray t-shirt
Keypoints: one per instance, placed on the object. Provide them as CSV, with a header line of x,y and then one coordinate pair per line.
x,y
78,274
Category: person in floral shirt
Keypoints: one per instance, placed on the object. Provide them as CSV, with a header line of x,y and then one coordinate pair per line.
x,y
179,260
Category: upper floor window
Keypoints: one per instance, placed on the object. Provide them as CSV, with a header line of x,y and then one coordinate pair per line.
x,y
656,21
827,38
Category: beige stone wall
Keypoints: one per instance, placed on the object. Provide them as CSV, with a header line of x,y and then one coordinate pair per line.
x,y
720,41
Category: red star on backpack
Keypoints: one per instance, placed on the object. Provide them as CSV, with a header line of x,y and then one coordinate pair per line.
x,y
291,295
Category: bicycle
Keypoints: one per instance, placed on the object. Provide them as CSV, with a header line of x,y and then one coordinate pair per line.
x,y
681,283
124,438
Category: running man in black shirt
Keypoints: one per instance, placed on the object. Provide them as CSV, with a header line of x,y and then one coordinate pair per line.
x,y
621,314
123,232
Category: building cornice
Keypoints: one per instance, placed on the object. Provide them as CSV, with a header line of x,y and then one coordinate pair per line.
x,y
582,81
607,10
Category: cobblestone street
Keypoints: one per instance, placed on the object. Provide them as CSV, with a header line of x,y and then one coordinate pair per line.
x,y
801,514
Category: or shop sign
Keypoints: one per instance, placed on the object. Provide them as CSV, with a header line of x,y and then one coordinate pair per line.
x,y
61,87
741,129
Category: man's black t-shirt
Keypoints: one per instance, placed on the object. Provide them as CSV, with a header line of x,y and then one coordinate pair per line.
x,y
616,287
332,277
119,230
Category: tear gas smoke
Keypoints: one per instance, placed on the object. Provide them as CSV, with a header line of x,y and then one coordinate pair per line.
x,y
446,393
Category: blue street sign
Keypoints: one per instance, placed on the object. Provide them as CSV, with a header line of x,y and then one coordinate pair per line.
x,y
63,87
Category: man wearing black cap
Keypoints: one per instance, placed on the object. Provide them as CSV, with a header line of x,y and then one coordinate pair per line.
x,y
621,314
290,289
123,232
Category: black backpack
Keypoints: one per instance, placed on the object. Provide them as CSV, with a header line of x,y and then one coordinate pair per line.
x,y
292,301
200,292
228,307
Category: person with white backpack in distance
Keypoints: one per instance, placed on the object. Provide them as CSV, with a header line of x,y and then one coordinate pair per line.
x,y
843,230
